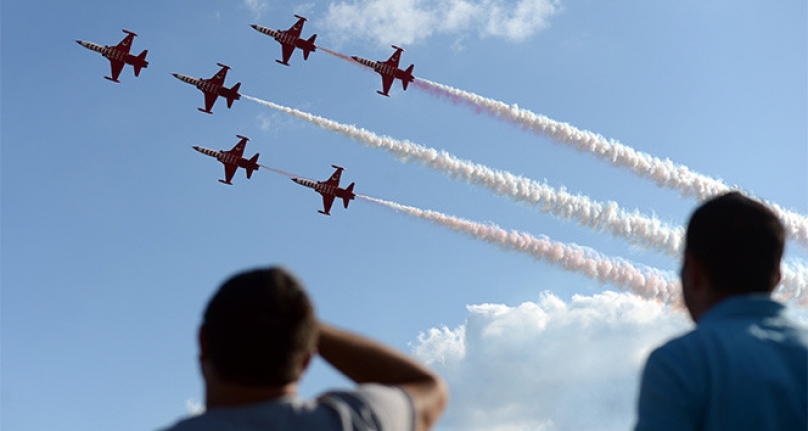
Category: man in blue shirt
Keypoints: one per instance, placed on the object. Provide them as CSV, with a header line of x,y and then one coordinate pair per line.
x,y
745,365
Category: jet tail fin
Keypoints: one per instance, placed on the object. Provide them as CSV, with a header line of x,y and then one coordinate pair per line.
x,y
253,166
406,81
141,62
349,195
233,94
312,47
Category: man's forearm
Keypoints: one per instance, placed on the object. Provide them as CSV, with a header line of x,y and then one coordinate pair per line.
x,y
366,361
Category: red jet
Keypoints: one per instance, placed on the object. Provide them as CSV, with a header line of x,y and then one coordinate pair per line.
x,y
232,159
329,189
119,55
213,88
389,70
290,39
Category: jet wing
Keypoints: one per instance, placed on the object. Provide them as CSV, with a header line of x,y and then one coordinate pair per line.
x,y
387,81
218,78
229,171
393,60
210,99
126,43
238,150
328,200
287,50
116,66
334,180
296,28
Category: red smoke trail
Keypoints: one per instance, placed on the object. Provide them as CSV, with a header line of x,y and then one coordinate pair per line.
x,y
647,282
338,55
456,100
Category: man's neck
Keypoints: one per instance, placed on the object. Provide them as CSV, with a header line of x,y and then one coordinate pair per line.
x,y
231,395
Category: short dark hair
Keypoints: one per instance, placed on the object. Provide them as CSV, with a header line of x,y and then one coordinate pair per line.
x,y
259,327
739,241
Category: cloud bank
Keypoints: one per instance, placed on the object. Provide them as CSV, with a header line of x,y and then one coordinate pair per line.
x,y
549,364
406,22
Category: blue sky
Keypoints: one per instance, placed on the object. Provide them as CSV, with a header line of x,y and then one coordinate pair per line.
x,y
115,232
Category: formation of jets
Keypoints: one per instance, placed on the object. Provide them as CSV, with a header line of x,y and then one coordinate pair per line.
x,y
214,87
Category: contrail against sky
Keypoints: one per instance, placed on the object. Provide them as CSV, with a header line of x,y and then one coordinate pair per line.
x,y
663,172
635,228
648,283
338,55
277,171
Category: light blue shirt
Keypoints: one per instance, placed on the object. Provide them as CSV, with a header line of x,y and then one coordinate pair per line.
x,y
744,367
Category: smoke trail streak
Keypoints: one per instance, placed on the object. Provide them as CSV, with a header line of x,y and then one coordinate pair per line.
x,y
648,283
663,172
635,228
278,171
338,55
794,283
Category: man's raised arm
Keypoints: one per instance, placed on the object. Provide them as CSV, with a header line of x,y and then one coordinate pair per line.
x,y
366,361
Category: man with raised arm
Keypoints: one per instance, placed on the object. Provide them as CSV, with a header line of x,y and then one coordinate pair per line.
x,y
258,335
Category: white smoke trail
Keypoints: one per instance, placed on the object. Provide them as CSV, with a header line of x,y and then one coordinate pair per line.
x,y
794,283
663,172
648,283
635,228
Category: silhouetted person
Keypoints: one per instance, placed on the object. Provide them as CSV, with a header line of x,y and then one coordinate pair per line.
x,y
745,365
258,335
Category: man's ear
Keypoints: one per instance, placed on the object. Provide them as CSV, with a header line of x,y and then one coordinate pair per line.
x,y
694,270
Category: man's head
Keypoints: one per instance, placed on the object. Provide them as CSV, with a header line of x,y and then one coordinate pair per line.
x,y
733,246
259,329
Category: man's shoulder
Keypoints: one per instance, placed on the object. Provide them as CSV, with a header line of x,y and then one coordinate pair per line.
x,y
286,413
373,406
367,407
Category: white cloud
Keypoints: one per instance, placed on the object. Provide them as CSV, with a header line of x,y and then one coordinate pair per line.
x,y
406,22
194,407
256,7
548,365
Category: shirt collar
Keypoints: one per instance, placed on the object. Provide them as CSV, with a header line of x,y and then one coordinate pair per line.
x,y
740,306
